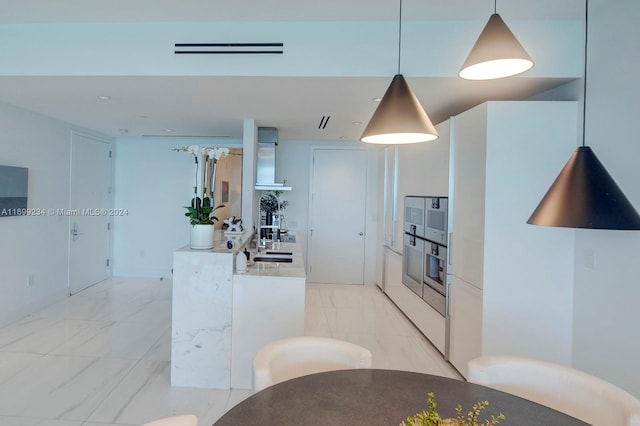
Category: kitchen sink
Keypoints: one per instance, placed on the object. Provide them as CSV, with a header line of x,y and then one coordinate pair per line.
x,y
273,259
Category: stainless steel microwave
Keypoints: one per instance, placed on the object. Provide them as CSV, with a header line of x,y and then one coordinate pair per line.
x,y
414,215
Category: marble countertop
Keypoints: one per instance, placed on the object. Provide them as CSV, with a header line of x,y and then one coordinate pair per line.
x,y
220,245
295,269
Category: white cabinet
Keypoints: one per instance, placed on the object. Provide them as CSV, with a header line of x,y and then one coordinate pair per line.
x,y
422,169
465,323
414,169
506,155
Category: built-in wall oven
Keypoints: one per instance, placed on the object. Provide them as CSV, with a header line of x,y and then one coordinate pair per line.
x,y
424,268
434,290
413,263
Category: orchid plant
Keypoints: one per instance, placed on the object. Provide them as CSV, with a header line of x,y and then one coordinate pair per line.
x,y
200,212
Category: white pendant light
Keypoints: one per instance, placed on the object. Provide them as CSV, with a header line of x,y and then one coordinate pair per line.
x,y
496,54
399,118
584,195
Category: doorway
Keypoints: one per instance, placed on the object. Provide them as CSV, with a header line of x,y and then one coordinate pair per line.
x,y
337,216
90,212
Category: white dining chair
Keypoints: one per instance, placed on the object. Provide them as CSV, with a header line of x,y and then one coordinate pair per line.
x,y
184,420
285,359
562,388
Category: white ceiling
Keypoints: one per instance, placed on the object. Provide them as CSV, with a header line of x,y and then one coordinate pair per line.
x,y
23,11
184,104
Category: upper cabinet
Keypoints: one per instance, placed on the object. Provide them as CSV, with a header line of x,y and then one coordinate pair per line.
x,y
413,169
416,169
514,280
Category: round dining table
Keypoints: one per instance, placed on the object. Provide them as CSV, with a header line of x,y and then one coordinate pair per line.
x,y
371,397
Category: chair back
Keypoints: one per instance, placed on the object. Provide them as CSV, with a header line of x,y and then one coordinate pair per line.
x,y
185,420
298,356
562,388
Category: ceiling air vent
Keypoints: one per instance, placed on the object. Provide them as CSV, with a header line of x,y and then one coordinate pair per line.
x,y
323,122
228,48
171,136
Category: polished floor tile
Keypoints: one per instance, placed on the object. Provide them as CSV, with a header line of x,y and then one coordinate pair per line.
x,y
102,356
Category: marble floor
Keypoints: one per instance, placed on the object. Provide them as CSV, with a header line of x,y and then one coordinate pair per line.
x,y
101,357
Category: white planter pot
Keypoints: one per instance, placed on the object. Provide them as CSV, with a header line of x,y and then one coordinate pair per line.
x,y
202,237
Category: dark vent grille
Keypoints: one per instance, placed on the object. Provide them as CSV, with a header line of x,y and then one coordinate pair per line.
x,y
187,136
323,122
228,48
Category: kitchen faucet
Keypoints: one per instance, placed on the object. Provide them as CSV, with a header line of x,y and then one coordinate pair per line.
x,y
264,229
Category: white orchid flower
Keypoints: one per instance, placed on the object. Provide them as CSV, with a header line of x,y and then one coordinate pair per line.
x,y
216,153
210,152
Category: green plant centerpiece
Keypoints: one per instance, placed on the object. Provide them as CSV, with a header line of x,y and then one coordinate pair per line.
x,y
201,211
430,417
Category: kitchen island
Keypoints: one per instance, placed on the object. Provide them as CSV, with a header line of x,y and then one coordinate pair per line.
x,y
220,318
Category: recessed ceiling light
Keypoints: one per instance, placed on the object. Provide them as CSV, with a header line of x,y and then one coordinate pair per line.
x,y
104,97
356,123
168,130
377,99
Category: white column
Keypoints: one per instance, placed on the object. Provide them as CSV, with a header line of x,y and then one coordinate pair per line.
x,y
249,149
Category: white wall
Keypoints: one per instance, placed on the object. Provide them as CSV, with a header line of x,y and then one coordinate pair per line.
x,y
311,48
607,296
35,245
154,184
528,273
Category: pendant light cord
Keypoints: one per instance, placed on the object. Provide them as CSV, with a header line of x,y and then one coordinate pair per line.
x,y
584,83
495,6
399,35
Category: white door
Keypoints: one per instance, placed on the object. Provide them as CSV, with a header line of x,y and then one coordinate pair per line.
x,y
89,215
337,216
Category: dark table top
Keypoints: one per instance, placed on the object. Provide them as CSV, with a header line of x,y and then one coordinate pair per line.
x,y
379,397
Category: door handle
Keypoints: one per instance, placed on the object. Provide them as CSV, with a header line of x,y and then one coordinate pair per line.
x,y
361,234
74,232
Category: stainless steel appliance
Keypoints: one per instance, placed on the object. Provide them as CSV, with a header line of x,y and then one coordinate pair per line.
x,y
435,277
414,216
266,161
435,219
424,256
413,263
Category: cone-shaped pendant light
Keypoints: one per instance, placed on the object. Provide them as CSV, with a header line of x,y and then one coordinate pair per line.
x,y
399,118
584,195
496,54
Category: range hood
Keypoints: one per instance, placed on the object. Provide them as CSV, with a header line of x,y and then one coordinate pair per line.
x,y
266,161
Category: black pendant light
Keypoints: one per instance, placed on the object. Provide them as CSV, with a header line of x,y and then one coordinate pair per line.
x,y
399,118
496,54
584,195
